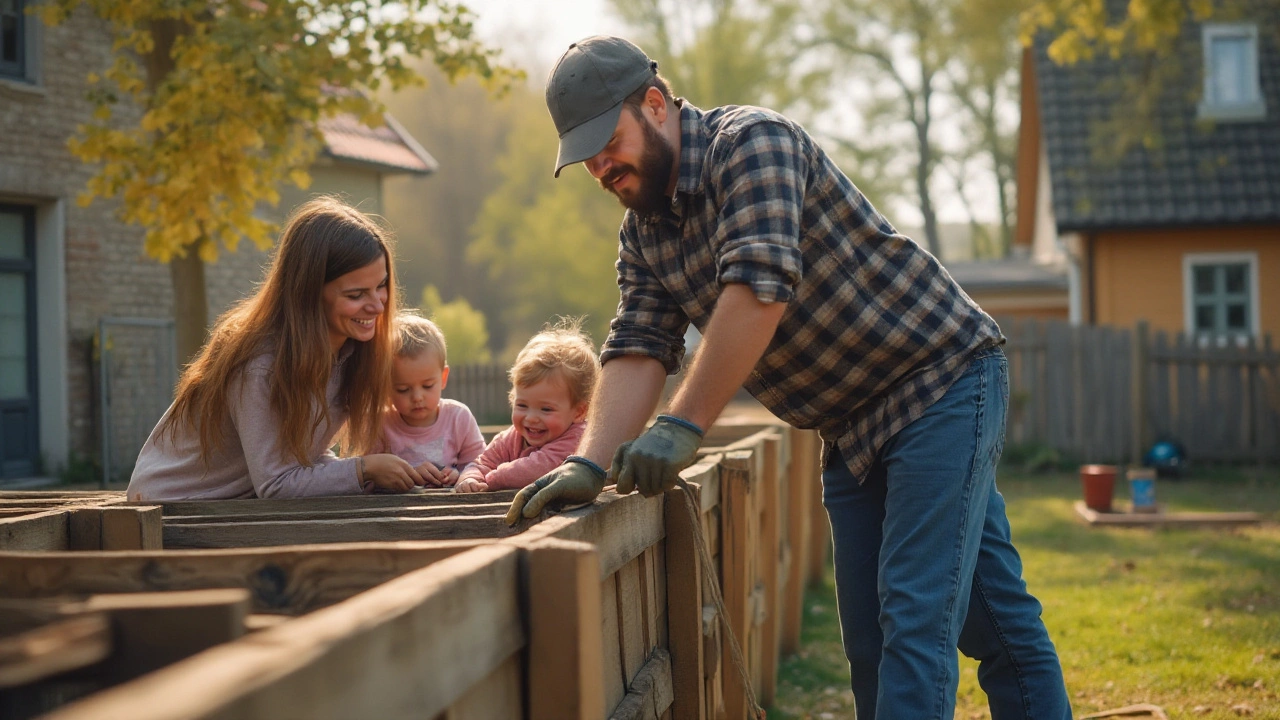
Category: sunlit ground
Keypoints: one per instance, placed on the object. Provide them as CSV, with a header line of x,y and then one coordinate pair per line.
x,y
1188,620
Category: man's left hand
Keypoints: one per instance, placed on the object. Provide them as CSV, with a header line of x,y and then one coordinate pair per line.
x,y
653,461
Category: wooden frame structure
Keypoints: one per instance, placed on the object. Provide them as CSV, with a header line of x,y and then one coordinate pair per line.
x,y
415,605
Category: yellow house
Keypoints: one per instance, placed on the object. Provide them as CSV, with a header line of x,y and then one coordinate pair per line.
x,y
1183,231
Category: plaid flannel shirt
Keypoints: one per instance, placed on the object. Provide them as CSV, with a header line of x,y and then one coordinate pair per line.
x,y
875,329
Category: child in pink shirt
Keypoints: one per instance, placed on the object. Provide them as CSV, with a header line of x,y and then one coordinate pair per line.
x,y
436,435
551,383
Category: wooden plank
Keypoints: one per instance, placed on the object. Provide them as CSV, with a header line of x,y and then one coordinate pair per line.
x,y
340,503
65,644
735,551
651,693
820,537
291,580
631,620
152,630
411,511
649,599
41,532
565,671
620,526
1178,519
615,685
84,529
684,606
804,481
497,696
770,558
303,532
132,528
432,635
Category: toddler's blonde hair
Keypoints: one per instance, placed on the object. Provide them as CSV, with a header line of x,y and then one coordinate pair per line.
x,y
416,335
562,348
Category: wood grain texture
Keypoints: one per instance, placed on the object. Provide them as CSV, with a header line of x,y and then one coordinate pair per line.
x,y
38,532
290,580
651,693
620,526
302,532
63,644
346,503
411,647
684,606
409,511
565,673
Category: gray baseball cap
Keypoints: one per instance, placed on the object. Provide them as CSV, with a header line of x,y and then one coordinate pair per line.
x,y
585,92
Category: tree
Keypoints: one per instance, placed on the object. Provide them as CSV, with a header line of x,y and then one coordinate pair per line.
x,y
465,127
463,327
905,47
729,52
231,94
984,81
549,244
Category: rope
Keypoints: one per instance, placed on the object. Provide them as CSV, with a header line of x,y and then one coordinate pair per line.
x,y
692,509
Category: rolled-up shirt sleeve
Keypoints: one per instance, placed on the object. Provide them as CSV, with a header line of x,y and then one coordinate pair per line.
x,y
273,471
759,189
649,322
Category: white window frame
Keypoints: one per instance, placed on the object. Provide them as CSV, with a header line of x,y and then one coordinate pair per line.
x,y
1190,261
1209,109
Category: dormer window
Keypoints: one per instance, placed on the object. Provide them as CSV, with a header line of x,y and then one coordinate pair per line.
x,y
1231,87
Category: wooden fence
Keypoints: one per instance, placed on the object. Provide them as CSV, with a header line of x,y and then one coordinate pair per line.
x,y
483,388
421,605
1104,394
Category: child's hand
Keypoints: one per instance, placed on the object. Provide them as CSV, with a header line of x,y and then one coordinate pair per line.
x,y
390,472
439,477
471,485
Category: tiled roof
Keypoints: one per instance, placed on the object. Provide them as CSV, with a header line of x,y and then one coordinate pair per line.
x,y
1199,173
388,148
1014,273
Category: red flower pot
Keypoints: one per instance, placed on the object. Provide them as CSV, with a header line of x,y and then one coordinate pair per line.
x,y
1099,483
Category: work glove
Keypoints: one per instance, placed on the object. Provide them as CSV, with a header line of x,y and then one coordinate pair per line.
x,y
653,461
577,480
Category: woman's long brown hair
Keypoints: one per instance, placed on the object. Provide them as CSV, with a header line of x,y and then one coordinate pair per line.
x,y
323,240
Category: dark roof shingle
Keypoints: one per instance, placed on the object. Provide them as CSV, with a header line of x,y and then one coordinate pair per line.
x,y
1198,173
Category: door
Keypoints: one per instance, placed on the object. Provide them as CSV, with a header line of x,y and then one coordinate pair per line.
x,y
19,426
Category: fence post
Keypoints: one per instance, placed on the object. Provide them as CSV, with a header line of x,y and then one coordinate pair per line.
x,y
1138,393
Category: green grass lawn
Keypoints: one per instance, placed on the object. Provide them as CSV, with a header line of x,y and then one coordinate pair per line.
x,y
1185,619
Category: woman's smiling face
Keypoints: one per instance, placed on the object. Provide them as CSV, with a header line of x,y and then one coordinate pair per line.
x,y
353,302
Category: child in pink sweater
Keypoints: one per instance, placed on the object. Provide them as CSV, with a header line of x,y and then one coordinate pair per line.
x,y
551,380
437,436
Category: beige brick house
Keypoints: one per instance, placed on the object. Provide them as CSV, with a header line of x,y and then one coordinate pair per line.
x,y
66,268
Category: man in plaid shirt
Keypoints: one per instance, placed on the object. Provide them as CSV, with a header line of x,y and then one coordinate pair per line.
x,y
740,224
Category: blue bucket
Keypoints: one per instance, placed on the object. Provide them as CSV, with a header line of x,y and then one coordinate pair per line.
x,y
1142,486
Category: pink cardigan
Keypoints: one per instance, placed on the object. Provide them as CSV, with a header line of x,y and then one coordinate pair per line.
x,y
508,463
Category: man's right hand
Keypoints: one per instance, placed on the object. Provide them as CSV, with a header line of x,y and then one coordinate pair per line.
x,y
569,484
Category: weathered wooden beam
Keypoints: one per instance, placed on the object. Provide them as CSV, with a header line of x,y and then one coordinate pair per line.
x,y
620,526
114,528
64,644
43,531
152,630
288,532
410,647
651,692
737,476
290,580
769,558
803,483
342,503
684,605
410,511
565,677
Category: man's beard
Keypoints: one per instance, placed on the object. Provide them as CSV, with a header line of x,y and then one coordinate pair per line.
x,y
653,174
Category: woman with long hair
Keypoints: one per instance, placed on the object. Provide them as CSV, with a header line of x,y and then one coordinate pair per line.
x,y
305,358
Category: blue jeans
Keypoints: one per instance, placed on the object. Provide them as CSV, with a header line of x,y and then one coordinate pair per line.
x,y
925,565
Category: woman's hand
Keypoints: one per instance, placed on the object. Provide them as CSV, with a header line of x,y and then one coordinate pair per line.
x,y
390,472
440,477
471,485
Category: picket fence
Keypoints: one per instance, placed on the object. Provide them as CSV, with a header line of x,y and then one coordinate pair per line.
x,y
420,605
1106,394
